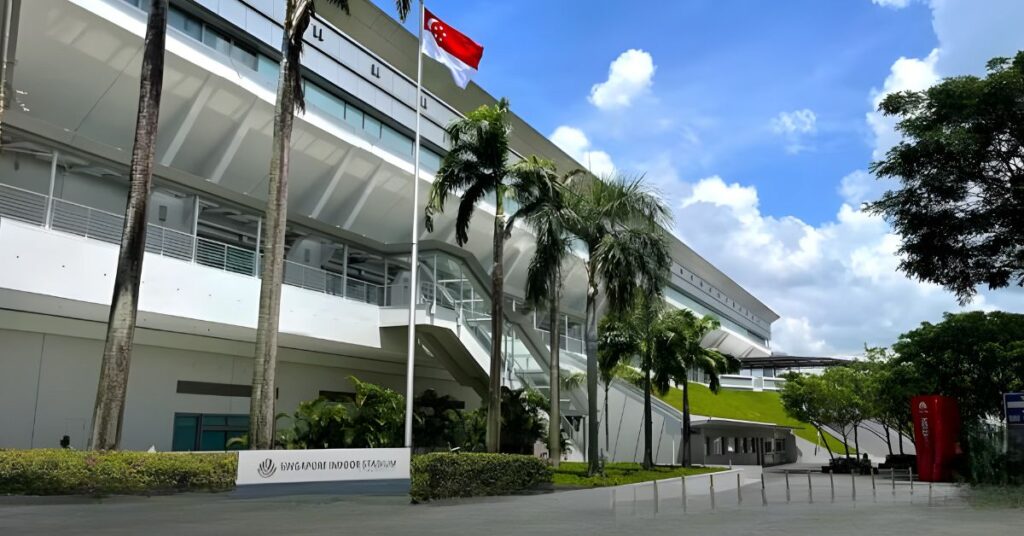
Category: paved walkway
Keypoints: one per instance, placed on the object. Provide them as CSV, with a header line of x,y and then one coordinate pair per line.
x,y
583,512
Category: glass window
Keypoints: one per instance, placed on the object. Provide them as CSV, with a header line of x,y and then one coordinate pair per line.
x,y
429,160
354,116
216,40
207,432
396,141
244,56
177,18
267,68
371,126
186,427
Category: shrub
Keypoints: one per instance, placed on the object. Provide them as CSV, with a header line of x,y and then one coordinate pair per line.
x,y
69,472
442,475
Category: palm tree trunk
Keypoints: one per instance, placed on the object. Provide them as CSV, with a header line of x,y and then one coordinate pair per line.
x,y
497,323
262,402
607,444
108,414
648,420
687,457
554,378
593,425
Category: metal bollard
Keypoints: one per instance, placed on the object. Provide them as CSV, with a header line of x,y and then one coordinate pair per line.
x,y
787,486
656,498
929,494
739,490
613,500
634,500
910,471
853,483
832,483
873,489
712,480
683,482
764,494
810,489
892,477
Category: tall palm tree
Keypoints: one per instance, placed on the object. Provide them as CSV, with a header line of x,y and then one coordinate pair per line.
x,y
108,413
681,333
619,223
543,209
290,98
477,166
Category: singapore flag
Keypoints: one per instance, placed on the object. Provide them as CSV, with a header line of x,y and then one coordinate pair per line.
x,y
452,48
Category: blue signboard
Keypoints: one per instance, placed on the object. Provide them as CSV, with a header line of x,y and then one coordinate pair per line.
x,y
1014,405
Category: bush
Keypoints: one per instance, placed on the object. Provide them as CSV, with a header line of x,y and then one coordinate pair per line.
x,y
69,472
442,475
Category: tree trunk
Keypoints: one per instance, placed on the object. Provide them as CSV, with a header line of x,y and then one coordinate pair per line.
x,y
108,414
593,463
824,441
554,378
648,420
262,402
888,438
856,439
607,444
497,323
900,432
846,442
687,455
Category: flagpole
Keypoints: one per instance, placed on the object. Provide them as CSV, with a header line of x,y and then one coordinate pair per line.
x,y
414,256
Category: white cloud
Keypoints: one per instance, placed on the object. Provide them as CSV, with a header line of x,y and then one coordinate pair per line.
x,y
906,74
836,285
894,4
575,143
629,76
860,187
796,122
794,126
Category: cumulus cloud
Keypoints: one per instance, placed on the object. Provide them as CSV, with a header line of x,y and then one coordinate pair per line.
x,y
836,285
575,143
629,76
906,74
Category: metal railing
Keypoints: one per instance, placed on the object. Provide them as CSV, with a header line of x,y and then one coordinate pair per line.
x,y
88,222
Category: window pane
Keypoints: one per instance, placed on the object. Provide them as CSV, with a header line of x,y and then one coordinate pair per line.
x,y
214,420
371,126
240,421
244,56
395,141
177,18
216,41
185,429
213,440
354,117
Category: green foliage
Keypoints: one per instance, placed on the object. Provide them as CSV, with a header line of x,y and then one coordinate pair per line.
x,y
574,474
443,475
833,398
959,198
70,472
973,357
987,463
374,418
764,406
522,422
438,423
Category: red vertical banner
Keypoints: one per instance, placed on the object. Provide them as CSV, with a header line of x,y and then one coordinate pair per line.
x,y
936,432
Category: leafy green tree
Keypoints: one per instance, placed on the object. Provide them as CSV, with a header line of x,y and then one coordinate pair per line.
x,y
112,390
477,168
614,351
973,357
807,398
290,97
619,222
961,179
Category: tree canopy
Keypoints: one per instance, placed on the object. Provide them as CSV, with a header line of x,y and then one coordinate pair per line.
x,y
959,206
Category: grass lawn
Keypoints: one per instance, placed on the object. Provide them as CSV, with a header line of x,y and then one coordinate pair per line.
x,y
764,406
574,474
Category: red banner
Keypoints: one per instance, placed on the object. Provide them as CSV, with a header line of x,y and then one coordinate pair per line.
x,y
936,435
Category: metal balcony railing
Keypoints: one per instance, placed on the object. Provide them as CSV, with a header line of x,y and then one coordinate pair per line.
x,y
80,220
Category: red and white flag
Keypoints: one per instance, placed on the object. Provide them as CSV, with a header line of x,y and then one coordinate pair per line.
x,y
452,48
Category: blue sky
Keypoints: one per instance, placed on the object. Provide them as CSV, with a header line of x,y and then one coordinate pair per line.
x,y
755,120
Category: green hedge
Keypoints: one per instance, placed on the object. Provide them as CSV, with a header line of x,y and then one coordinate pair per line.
x,y
442,475
69,472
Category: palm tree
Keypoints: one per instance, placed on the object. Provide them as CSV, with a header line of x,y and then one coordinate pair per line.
x,y
543,209
618,221
681,333
290,98
477,166
108,414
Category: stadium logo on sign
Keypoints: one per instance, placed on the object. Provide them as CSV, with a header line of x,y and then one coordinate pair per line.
x,y
267,468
